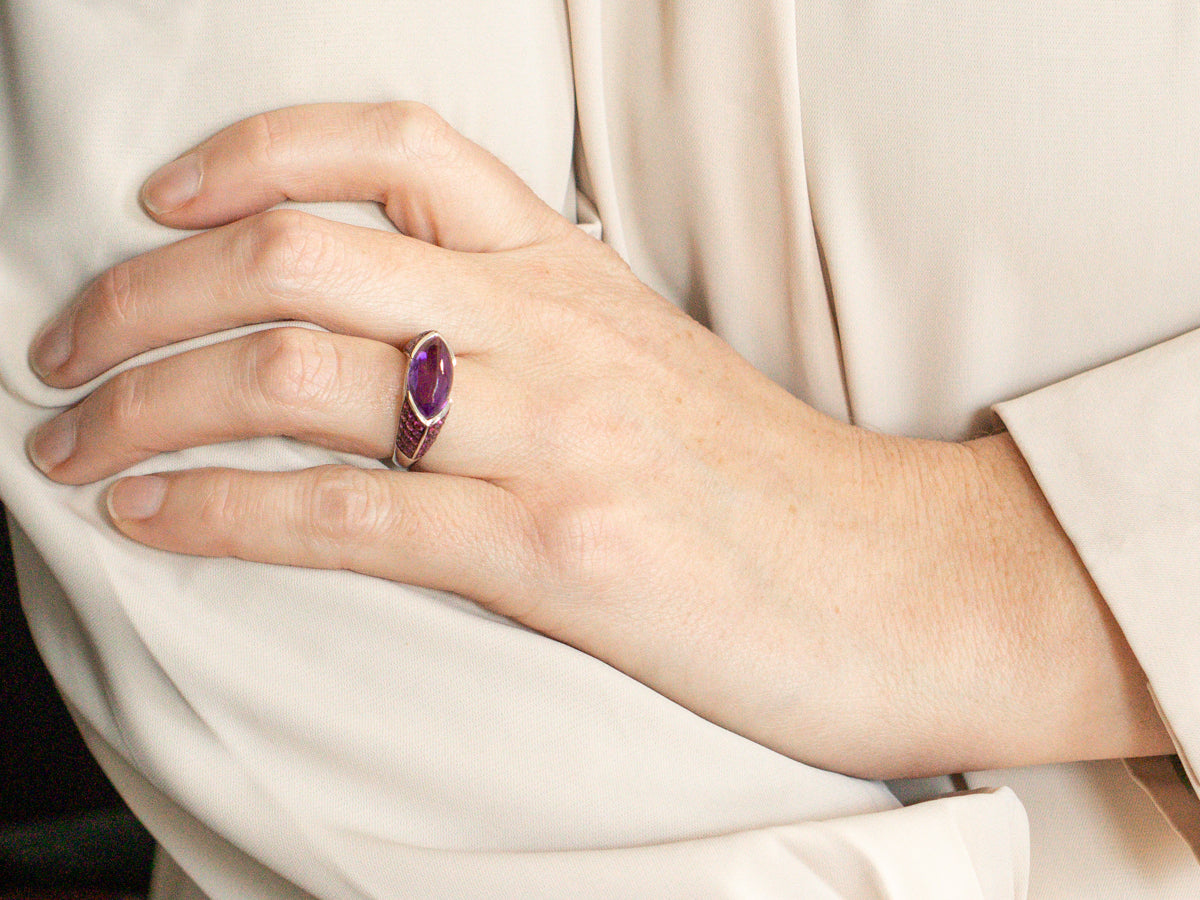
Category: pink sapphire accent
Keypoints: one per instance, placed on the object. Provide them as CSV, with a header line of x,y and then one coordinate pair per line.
x,y
430,376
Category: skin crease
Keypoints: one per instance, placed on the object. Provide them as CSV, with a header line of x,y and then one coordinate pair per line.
x,y
611,473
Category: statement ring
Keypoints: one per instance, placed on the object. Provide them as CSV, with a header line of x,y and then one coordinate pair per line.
x,y
427,381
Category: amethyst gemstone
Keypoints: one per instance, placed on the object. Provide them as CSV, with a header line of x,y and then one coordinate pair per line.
x,y
430,375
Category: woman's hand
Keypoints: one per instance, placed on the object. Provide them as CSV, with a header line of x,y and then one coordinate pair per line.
x,y
611,473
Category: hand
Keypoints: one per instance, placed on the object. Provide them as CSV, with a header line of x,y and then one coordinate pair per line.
x,y
611,473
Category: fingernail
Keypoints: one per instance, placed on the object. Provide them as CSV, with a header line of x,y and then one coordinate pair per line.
x,y
136,498
52,347
173,185
53,443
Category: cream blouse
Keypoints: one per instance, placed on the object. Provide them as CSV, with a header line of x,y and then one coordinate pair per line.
x,y
908,214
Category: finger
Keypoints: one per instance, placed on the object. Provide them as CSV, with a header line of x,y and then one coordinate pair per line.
x,y
279,265
326,389
455,534
434,183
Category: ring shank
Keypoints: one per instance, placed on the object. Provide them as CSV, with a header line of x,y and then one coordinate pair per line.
x,y
413,437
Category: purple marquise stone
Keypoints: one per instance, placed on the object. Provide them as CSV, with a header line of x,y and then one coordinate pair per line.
x,y
430,374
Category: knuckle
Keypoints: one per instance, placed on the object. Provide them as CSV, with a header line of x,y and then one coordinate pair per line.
x,y
268,136
293,367
128,399
413,129
578,543
219,510
345,509
290,255
119,300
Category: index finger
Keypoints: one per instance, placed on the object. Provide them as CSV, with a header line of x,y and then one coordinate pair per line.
x,y
434,183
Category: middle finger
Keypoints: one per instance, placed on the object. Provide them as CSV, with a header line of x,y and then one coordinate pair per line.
x,y
279,265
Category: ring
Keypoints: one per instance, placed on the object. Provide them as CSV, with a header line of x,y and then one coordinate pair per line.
x,y
427,381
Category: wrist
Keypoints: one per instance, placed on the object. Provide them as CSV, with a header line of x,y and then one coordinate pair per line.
x,y
996,648
1077,691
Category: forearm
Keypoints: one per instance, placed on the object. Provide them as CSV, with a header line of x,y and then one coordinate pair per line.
x,y
971,636
1077,687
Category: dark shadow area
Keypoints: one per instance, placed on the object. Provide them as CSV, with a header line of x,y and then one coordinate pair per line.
x,y
62,826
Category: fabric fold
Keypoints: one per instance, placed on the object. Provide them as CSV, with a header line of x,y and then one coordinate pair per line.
x,y
1116,451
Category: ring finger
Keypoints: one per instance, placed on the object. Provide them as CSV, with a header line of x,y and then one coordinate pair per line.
x,y
328,389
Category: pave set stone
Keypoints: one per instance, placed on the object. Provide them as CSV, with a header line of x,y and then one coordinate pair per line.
x,y
428,381
414,437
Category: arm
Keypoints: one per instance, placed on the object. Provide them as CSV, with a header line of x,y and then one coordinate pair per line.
x,y
1114,450
871,604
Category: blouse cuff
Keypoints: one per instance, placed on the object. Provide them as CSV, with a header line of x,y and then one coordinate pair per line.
x,y
1116,451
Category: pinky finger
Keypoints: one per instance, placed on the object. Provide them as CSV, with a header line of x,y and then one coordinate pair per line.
x,y
439,531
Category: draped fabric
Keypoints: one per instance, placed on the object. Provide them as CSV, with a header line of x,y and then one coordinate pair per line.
x,y
905,214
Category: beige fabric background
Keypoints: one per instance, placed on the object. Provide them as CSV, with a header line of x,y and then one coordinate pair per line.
x,y
904,213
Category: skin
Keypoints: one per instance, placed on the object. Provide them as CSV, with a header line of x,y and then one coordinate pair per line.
x,y
611,473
